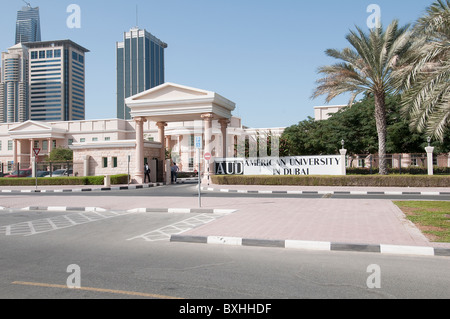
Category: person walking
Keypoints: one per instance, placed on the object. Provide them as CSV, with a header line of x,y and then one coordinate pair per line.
x,y
174,172
147,172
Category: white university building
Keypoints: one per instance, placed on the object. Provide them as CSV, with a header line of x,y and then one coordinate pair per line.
x,y
166,122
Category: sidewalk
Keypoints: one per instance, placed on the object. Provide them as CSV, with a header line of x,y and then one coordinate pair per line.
x,y
357,225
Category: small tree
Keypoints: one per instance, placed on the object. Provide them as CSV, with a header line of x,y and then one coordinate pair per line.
x,y
60,154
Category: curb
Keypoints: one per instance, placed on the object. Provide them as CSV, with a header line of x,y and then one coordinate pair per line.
x,y
182,210
134,210
65,209
323,192
115,188
314,245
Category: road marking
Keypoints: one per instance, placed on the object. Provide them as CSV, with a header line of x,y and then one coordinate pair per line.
x,y
45,225
110,291
164,233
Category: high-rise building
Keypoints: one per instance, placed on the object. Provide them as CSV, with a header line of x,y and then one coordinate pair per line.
x,y
56,81
14,85
140,66
28,25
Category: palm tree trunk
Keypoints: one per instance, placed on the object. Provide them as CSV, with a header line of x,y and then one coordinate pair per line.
x,y
381,122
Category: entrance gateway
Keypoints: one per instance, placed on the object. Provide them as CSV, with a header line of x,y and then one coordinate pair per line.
x,y
171,102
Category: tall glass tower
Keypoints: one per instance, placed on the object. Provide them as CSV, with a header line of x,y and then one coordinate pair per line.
x,y
14,85
56,81
140,66
28,25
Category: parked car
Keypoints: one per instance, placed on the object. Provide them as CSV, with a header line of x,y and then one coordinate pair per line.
x,y
42,174
61,173
20,173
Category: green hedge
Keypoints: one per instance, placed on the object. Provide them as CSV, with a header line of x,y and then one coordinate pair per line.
x,y
349,180
49,181
411,170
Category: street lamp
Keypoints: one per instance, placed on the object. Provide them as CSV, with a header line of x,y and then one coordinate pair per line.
x,y
429,141
343,144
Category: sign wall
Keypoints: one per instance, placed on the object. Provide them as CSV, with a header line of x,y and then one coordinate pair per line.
x,y
299,165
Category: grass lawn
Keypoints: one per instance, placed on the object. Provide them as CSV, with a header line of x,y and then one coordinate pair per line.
x,y
432,218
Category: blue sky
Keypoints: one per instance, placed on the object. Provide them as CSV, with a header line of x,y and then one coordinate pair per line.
x,y
261,54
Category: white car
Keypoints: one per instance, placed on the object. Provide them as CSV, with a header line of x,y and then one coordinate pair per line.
x,y
61,173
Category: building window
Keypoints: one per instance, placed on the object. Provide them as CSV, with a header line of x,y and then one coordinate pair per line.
x,y
94,139
361,162
0,145
41,54
105,162
45,145
57,53
82,140
107,138
10,166
10,145
114,162
54,144
70,142
34,55
49,54
191,141
191,163
36,144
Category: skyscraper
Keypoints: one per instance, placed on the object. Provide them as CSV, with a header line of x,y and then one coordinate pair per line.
x,y
14,85
28,25
56,81
140,66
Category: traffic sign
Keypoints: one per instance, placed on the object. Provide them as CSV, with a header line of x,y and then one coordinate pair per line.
x,y
198,142
36,151
208,156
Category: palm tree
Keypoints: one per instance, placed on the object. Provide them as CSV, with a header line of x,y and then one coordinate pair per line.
x,y
366,68
423,75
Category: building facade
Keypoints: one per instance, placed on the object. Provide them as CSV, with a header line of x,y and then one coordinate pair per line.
x,y
56,81
28,25
14,94
140,66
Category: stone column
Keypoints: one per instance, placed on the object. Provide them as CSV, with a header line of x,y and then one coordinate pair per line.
x,y
430,151
139,173
162,139
207,120
50,145
223,126
31,150
86,159
15,157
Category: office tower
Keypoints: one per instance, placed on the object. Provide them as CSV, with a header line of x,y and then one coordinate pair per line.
x,y
140,66
56,80
28,26
14,85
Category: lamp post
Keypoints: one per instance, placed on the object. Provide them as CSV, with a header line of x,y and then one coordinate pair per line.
x,y
343,152
430,151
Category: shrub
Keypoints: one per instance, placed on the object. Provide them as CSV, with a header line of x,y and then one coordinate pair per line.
x,y
51,181
349,180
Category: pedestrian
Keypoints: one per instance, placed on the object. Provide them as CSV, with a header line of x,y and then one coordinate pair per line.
x,y
147,172
174,172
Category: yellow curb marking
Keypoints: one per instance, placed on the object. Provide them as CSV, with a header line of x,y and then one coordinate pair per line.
x,y
111,291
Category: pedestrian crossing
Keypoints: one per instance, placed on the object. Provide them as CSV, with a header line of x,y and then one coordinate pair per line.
x,y
46,225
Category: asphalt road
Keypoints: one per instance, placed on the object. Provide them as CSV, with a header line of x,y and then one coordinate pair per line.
x,y
123,255
190,190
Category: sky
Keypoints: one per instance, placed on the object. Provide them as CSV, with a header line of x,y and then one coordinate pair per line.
x,y
261,54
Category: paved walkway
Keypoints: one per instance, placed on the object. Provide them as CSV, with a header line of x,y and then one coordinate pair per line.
x,y
273,220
